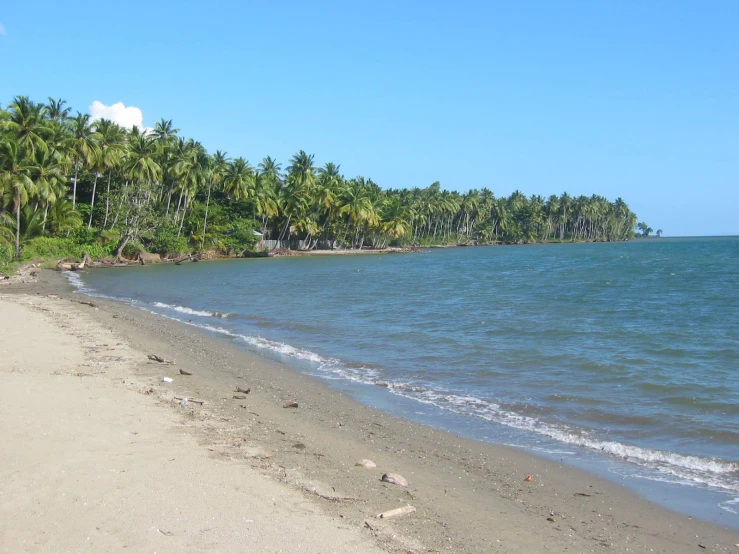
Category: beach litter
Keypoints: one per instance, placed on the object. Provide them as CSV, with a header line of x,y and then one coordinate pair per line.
x,y
186,399
394,479
367,464
161,360
529,479
403,510
167,380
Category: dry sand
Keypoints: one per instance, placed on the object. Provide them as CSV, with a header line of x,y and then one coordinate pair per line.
x,y
97,456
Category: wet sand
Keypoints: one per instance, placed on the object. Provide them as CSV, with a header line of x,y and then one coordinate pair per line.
x,y
469,496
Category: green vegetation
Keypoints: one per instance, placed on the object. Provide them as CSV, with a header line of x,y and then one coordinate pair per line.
x,y
646,230
70,184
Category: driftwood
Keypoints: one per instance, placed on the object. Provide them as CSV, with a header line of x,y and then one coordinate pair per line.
x,y
185,372
191,257
86,303
245,391
403,510
161,360
201,402
74,266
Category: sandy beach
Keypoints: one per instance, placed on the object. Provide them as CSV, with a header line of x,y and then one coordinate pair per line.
x,y
100,455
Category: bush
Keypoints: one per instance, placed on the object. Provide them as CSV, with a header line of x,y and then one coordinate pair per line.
x,y
57,248
46,247
167,243
240,236
132,248
83,235
7,256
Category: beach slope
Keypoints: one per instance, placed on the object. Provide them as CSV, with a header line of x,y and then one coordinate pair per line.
x,y
98,454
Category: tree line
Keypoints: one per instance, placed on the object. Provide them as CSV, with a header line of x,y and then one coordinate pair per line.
x,y
65,175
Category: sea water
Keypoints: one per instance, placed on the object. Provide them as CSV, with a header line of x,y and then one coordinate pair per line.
x,y
622,358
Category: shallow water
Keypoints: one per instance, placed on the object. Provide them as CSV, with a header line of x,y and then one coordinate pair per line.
x,y
620,357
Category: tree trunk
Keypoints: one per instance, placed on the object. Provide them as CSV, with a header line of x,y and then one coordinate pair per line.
x,y
107,201
177,211
120,205
205,219
18,225
121,246
284,229
182,221
169,199
92,201
74,184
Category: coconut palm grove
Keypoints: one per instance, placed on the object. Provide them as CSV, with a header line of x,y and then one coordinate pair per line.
x,y
70,184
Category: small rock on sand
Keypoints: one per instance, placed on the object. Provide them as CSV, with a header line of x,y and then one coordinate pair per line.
x,y
394,479
367,464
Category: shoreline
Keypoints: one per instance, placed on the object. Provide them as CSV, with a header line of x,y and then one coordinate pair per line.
x,y
470,496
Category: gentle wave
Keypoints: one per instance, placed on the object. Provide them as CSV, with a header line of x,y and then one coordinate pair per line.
x,y
721,474
190,311
676,468
694,470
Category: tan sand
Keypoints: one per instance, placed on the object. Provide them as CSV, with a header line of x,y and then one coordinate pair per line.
x,y
201,472
88,464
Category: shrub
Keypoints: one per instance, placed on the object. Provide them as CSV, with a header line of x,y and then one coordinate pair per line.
x,y
7,256
57,248
240,236
132,248
46,247
167,243
83,235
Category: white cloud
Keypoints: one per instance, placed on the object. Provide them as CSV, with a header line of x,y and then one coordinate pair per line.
x,y
2,30
125,116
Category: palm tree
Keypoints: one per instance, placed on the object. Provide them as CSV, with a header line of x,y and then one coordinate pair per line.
x,y
83,144
25,120
15,176
56,111
218,170
238,180
265,198
112,150
301,177
48,176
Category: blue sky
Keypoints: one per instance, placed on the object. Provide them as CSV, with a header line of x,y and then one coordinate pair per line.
x,y
638,99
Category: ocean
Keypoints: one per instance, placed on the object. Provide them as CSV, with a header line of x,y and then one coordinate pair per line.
x,y
620,358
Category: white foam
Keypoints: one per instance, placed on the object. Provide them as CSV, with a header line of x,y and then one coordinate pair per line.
x,y
190,311
730,506
692,470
